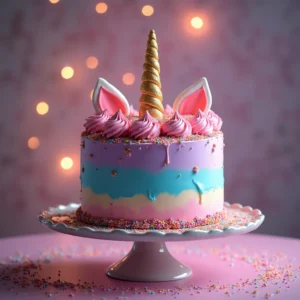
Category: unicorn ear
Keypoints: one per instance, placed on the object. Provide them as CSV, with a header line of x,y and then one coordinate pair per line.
x,y
195,97
106,96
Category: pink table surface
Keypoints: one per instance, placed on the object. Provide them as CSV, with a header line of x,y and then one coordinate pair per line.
x,y
241,267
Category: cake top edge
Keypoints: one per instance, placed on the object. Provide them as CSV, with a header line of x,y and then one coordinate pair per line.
x,y
162,140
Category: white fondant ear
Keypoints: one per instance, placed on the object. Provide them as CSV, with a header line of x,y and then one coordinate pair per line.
x,y
195,97
108,97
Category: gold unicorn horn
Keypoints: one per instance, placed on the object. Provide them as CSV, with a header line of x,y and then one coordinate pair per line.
x,y
151,98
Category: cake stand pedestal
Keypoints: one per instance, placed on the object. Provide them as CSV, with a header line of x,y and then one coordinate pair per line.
x,y
149,258
148,261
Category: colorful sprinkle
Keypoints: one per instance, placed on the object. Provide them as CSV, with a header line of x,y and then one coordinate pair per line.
x,y
82,144
150,224
195,169
127,151
163,140
19,271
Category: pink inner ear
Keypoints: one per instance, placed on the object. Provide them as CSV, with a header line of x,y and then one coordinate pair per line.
x,y
108,100
193,102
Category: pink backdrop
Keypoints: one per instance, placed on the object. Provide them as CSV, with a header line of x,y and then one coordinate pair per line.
x,y
248,50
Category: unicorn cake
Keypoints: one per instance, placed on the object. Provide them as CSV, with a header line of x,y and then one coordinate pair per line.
x,y
155,168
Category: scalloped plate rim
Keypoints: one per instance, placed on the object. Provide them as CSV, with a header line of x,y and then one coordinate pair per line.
x,y
189,232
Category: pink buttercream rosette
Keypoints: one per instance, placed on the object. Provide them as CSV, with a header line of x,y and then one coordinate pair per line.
x,y
96,122
145,128
201,124
178,126
215,119
116,126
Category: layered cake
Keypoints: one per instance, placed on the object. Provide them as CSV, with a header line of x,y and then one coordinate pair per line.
x,y
155,168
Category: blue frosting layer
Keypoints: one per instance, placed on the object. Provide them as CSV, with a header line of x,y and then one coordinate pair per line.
x,y
124,182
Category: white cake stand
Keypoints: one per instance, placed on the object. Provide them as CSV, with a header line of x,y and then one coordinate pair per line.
x,y
149,258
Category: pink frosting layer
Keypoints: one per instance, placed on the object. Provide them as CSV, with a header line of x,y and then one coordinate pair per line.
x,y
145,128
96,122
116,126
168,111
201,124
178,126
189,211
133,112
215,119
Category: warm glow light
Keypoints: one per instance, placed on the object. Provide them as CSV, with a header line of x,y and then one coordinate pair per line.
x,y
91,62
66,163
53,1
67,72
197,22
91,94
33,143
101,8
42,108
147,10
128,78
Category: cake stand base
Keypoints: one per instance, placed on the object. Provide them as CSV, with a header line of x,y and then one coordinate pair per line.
x,y
148,261
149,258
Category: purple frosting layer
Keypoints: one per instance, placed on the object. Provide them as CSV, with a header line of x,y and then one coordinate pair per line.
x,y
204,153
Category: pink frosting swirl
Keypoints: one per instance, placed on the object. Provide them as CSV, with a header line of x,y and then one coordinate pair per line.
x,y
145,128
215,119
116,126
95,123
178,126
201,124
133,112
168,111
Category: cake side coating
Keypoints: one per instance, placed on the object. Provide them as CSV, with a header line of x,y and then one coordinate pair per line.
x,y
137,181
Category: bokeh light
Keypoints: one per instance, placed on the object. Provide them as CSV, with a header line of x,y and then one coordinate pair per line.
x,y
42,108
197,22
67,72
101,8
91,62
91,94
66,163
147,10
33,142
128,78
53,1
